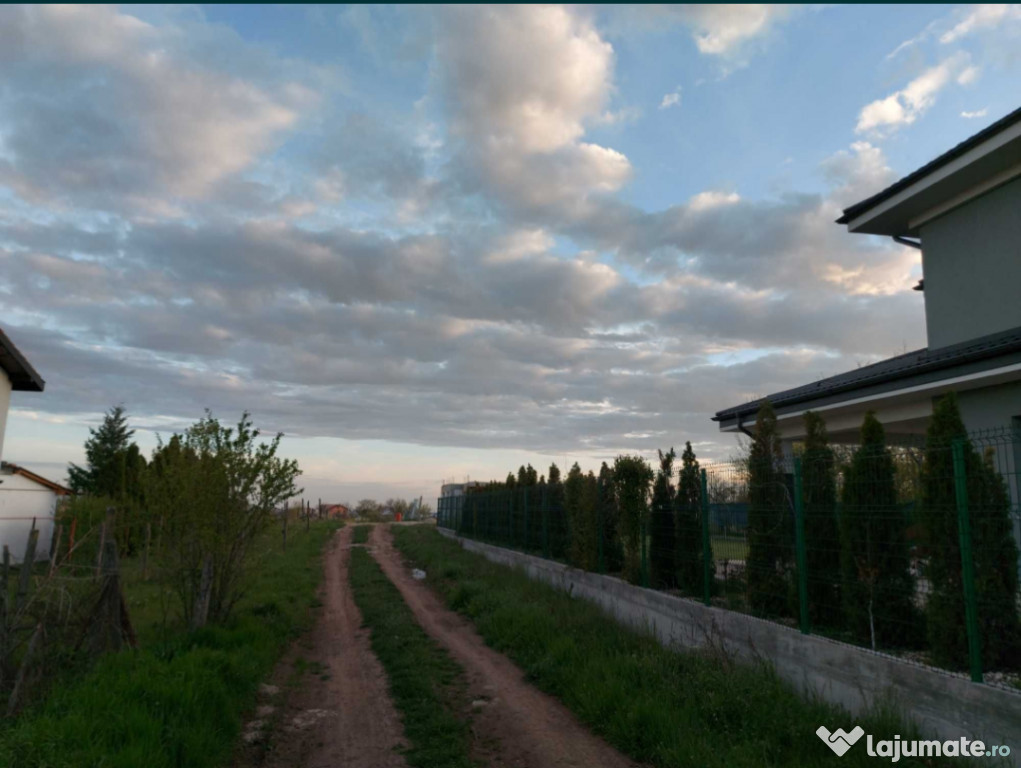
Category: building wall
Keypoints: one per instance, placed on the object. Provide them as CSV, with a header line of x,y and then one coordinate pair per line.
x,y
972,266
5,403
21,501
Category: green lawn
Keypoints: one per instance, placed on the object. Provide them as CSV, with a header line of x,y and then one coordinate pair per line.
x,y
360,534
661,707
427,686
179,699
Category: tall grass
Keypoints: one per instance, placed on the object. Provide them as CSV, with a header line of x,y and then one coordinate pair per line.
x,y
178,700
661,707
428,687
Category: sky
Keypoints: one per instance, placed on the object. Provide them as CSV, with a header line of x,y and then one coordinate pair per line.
x,y
433,243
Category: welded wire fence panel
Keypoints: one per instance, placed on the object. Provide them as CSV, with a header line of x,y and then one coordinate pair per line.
x,y
909,549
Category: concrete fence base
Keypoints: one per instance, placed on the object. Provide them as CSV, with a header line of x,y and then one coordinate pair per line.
x,y
943,705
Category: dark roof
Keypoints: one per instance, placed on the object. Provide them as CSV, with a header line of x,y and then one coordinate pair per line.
x,y
24,378
859,208
903,366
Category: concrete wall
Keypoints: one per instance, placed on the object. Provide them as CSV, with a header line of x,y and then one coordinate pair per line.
x,y
5,404
21,502
972,266
945,706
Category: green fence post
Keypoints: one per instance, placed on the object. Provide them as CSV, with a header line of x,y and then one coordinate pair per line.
x,y
545,521
799,542
599,522
708,566
645,553
967,564
525,527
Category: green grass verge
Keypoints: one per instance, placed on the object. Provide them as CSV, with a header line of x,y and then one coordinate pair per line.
x,y
661,707
180,698
360,534
427,686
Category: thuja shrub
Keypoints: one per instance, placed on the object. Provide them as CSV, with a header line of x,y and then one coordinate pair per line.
x,y
688,505
662,527
822,536
631,478
994,552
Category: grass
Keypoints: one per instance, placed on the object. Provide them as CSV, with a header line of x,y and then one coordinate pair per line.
x,y
658,706
360,534
427,686
179,699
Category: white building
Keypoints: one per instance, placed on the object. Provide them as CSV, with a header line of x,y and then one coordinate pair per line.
x,y
27,499
23,494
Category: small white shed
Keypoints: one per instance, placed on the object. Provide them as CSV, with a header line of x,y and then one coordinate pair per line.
x,y
27,499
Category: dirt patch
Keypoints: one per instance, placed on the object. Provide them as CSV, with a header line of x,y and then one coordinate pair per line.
x,y
514,723
334,709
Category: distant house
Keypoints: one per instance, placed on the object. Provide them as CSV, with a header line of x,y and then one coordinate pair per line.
x,y
335,511
27,500
963,211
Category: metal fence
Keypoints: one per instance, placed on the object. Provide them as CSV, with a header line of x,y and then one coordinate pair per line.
x,y
911,549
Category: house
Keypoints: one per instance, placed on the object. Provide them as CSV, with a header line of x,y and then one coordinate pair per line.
x,y
17,375
963,211
335,511
21,498
27,500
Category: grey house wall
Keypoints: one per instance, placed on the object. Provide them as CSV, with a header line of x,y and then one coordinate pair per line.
x,y
972,266
944,706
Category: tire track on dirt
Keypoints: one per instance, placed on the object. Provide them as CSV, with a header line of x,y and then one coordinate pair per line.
x,y
517,725
347,719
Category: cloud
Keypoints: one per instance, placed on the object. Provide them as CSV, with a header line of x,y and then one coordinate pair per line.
x,y
721,30
127,116
977,113
672,99
981,17
905,106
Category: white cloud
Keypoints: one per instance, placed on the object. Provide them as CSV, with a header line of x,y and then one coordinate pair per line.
x,y
671,99
720,30
981,17
977,113
908,104
968,75
712,199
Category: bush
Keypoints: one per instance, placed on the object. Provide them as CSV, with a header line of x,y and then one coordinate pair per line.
x,y
822,536
770,521
581,499
688,502
662,526
994,552
878,587
631,478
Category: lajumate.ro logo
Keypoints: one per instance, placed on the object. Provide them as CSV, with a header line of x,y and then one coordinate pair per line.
x,y
840,741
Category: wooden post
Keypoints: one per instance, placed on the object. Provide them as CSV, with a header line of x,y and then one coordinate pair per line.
x,y
70,538
55,549
320,507
285,528
12,702
26,571
308,515
102,542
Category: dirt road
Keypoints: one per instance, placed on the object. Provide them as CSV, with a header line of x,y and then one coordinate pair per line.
x,y
343,716
515,724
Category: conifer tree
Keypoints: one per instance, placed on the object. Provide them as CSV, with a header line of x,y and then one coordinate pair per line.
x,y
109,470
822,536
689,524
558,531
613,556
877,584
994,552
662,526
631,478
770,520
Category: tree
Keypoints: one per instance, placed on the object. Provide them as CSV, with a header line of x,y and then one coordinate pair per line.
x,y
688,504
877,584
613,554
215,489
770,520
580,501
107,472
662,527
631,478
557,522
994,552
822,536
369,510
